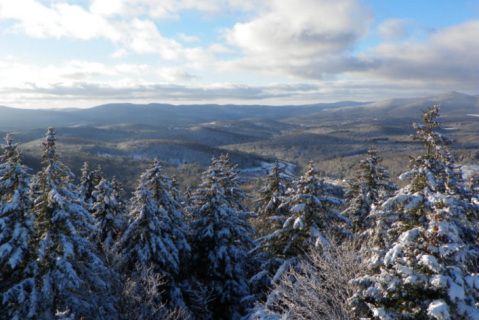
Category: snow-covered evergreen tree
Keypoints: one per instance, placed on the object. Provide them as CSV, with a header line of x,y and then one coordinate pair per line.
x,y
109,213
235,196
88,181
312,220
312,214
118,193
268,207
175,187
87,185
71,275
164,194
431,269
221,240
156,234
271,216
18,265
370,187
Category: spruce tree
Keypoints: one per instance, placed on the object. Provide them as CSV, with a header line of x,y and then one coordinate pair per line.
x,y
312,216
221,239
87,185
88,181
118,194
312,220
164,194
156,234
271,216
268,207
109,213
18,265
369,188
430,270
235,196
71,275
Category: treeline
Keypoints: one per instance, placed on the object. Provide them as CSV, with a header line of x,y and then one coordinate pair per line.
x,y
84,252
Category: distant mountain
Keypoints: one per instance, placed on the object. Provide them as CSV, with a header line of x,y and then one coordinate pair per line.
x,y
453,103
151,114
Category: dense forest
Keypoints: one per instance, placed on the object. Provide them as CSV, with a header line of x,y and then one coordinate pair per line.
x,y
301,250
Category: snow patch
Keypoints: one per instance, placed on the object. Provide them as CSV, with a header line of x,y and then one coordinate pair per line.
x,y
430,262
439,310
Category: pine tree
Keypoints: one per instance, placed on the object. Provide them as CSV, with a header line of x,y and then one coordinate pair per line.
x,y
71,274
221,239
109,213
18,296
430,270
370,187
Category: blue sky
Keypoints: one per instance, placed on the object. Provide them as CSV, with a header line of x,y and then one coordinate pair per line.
x,y
56,54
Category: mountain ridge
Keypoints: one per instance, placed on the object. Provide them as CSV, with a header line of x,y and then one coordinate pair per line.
x,y
193,114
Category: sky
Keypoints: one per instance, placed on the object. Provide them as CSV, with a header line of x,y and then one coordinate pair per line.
x,y
84,53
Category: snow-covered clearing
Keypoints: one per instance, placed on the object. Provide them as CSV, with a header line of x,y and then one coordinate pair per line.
x,y
266,167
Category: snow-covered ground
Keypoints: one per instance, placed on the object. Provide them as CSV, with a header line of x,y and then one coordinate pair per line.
x,y
266,167
469,170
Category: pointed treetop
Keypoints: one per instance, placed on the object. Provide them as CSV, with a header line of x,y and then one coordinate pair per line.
x,y
312,172
9,148
49,145
434,142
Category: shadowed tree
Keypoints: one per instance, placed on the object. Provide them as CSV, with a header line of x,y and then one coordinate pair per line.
x,y
221,239
18,265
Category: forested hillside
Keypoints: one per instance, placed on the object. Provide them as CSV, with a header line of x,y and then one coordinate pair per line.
x,y
304,246
125,138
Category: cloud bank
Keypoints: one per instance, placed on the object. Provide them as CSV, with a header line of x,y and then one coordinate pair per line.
x,y
298,51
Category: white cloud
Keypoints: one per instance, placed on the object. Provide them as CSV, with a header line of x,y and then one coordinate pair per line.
x,y
120,53
18,75
449,57
60,20
292,29
187,38
300,39
174,75
219,48
310,40
168,9
133,91
392,29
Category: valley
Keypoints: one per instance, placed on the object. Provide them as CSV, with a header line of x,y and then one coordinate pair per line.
x,y
125,138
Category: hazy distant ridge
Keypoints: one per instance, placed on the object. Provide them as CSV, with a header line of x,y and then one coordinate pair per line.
x,y
171,115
